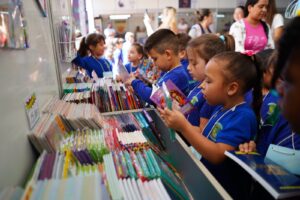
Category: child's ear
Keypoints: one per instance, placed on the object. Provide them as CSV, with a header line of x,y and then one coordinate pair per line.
x,y
232,88
182,54
168,53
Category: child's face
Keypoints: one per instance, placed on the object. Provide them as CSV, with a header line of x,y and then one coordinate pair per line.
x,y
289,90
162,61
268,77
98,50
196,65
133,55
214,90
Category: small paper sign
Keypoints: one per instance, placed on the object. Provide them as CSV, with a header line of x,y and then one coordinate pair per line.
x,y
32,110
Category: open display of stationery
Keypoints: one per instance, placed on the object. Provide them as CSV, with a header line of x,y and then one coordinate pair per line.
x,y
120,155
107,94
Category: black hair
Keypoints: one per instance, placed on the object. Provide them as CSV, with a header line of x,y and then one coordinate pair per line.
x,y
241,7
208,45
246,71
183,40
264,57
92,39
247,4
139,48
83,48
203,13
289,46
162,40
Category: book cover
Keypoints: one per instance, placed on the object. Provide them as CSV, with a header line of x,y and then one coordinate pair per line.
x,y
122,72
175,94
275,179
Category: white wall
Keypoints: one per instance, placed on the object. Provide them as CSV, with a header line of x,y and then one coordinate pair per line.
x,y
138,6
23,72
101,7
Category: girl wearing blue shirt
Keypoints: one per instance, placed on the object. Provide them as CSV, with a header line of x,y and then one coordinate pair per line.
x,y
275,129
199,51
229,75
135,58
95,44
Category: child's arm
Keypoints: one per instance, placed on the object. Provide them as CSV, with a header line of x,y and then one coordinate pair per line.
x,y
203,122
213,152
140,88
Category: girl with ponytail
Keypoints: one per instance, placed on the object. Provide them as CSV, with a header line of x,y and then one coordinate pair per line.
x,y
228,77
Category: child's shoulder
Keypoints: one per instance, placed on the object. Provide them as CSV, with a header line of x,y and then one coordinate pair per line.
x,y
244,111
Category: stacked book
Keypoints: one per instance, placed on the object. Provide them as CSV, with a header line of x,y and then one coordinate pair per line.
x,y
78,97
76,87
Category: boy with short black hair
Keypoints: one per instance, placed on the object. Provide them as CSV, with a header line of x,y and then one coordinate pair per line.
x,y
162,47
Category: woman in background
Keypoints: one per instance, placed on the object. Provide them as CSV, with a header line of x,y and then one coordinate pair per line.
x,y
275,21
205,18
168,19
251,33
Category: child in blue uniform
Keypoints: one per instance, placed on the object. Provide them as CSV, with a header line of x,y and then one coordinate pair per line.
x,y
135,57
95,44
229,76
200,50
288,67
183,40
162,47
274,127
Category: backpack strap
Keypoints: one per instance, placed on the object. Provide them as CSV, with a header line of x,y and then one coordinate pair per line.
x,y
266,28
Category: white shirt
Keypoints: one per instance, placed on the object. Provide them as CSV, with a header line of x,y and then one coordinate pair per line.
x,y
277,22
182,27
196,31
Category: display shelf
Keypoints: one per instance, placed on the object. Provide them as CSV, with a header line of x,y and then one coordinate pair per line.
x,y
199,181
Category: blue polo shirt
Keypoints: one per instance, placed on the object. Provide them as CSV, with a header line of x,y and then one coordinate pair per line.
x,y
196,98
237,126
90,64
275,129
130,68
177,75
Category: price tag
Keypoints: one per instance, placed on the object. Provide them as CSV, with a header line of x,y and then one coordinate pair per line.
x,y
32,110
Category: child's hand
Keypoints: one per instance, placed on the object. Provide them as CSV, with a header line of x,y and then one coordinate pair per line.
x,y
173,118
129,80
248,147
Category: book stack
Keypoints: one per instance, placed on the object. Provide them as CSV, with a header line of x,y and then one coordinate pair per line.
x,y
76,87
78,97
59,118
87,185
87,146
110,96
78,115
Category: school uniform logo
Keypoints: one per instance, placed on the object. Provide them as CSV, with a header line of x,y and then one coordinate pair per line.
x,y
273,114
215,130
194,100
